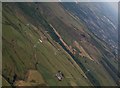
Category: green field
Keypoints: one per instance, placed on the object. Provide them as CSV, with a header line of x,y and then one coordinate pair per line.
x,y
22,50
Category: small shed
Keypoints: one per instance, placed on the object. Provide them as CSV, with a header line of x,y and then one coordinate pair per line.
x,y
59,75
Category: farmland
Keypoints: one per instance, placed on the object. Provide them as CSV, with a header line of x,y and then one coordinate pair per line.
x,y
40,39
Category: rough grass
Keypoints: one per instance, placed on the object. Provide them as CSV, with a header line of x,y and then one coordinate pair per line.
x,y
20,55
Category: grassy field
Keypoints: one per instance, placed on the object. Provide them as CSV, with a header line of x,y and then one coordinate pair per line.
x,y
22,52
31,46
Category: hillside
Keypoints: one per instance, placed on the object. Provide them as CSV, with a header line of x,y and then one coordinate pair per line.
x,y
43,39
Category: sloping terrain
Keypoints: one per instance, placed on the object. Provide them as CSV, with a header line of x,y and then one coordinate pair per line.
x,y
40,39
99,18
